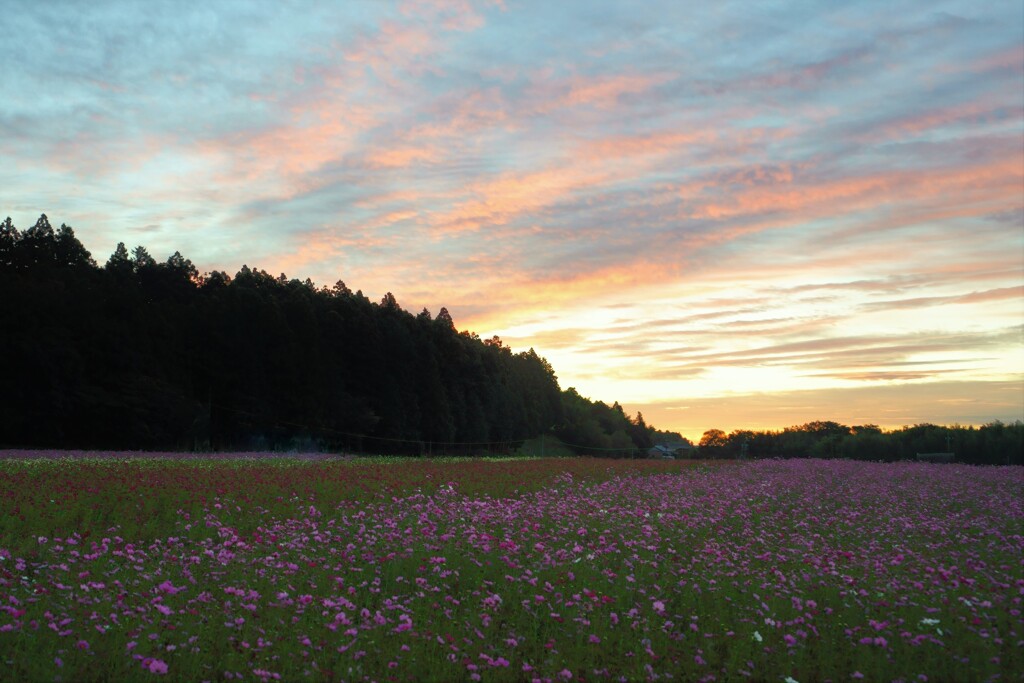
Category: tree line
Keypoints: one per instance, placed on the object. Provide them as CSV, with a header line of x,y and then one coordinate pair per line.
x,y
995,443
146,355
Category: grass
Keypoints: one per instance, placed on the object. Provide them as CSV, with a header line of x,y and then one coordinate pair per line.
x,y
508,570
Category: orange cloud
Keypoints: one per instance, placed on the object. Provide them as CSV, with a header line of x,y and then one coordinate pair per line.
x,y
547,95
745,201
664,142
585,168
326,247
993,185
605,91
402,157
453,15
328,123
907,127
286,156
395,44
998,294
535,296
470,112
403,197
498,200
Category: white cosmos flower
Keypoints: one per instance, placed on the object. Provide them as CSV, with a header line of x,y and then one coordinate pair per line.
x,y
757,637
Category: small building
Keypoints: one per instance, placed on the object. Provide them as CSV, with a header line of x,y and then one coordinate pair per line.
x,y
935,457
671,451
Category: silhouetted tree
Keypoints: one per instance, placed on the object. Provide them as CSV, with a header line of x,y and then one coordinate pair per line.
x,y
68,251
340,289
141,259
38,244
713,438
119,261
444,319
9,238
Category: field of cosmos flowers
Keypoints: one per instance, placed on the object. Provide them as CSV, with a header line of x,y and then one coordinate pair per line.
x,y
263,569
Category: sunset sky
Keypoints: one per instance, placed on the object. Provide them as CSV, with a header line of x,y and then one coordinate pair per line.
x,y
724,214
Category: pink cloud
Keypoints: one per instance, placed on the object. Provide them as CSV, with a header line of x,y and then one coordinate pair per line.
x,y
603,92
402,157
497,200
402,197
954,191
998,294
529,296
663,142
606,91
910,126
330,118
465,113
453,15
395,45
1011,58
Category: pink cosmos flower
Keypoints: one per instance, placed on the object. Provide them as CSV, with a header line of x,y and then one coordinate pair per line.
x,y
157,666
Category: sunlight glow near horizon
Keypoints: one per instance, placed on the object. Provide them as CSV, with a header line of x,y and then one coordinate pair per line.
x,y
724,216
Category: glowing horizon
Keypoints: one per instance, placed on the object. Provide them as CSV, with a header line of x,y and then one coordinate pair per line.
x,y
724,216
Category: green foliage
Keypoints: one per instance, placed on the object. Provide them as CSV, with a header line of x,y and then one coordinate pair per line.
x,y
595,428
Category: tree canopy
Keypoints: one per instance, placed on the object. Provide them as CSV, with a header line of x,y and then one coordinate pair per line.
x,y
994,443
142,354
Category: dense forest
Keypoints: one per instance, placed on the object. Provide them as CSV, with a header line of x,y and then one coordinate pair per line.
x,y
991,444
146,355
